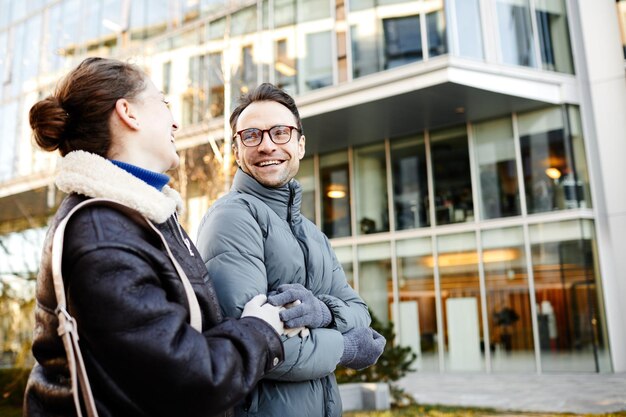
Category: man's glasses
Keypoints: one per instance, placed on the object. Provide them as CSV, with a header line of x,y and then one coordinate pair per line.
x,y
252,137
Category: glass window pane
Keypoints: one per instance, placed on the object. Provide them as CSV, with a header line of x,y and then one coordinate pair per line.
x,y
556,53
508,300
436,27
452,177
460,302
571,319
410,183
516,36
364,39
371,189
335,188
216,28
416,292
216,85
8,136
306,178
344,256
552,178
621,15
469,31
318,62
375,282
497,170
285,68
402,41
243,21
313,10
284,13
32,43
3,61
245,77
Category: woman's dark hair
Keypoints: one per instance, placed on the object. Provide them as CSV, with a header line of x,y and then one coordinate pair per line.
x,y
76,116
265,92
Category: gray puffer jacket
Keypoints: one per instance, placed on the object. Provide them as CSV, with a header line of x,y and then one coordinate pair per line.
x,y
253,240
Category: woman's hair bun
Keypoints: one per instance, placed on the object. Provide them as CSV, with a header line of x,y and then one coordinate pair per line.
x,y
48,120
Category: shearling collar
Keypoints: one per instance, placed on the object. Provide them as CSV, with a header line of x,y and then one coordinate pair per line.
x,y
91,175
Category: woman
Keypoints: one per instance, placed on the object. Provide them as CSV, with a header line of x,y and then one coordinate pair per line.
x,y
116,133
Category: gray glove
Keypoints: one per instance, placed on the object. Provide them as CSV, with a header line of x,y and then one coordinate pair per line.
x,y
361,348
311,312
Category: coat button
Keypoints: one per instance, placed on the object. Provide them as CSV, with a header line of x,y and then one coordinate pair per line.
x,y
275,362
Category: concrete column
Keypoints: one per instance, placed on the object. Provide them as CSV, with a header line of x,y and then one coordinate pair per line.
x,y
600,70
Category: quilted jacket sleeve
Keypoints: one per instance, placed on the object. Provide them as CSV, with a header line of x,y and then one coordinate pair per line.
x,y
132,329
231,243
348,309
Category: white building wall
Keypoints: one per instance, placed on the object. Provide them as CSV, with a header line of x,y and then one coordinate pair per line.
x,y
600,69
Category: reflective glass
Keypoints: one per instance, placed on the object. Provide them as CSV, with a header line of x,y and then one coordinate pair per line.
x,y
244,78
375,282
460,302
417,321
402,40
344,256
285,68
555,173
335,189
372,211
216,85
410,183
621,15
8,135
508,300
32,43
494,148
436,27
318,62
468,28
516,35
306,178
570,310
3,61
243,21
309,10
556,52
452,177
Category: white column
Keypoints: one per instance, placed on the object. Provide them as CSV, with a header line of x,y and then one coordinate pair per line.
x,y
600,70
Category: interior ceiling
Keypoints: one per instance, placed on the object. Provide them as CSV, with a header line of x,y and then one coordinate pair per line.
x,y
412,112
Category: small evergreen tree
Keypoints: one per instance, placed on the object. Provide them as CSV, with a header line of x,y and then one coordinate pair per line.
x,y
392,365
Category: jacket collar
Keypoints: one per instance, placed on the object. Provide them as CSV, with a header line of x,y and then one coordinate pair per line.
x,y
94,176
284,200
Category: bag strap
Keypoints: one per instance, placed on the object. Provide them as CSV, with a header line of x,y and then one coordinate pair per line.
x,y
68,330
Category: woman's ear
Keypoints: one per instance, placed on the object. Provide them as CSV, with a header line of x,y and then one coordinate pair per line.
x,y
125,113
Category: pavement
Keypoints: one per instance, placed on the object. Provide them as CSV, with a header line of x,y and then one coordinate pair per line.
x,y
546,393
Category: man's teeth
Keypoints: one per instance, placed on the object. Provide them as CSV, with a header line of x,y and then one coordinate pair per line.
x,y
266,163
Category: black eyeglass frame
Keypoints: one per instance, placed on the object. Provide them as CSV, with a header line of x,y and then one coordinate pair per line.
x,y
269,132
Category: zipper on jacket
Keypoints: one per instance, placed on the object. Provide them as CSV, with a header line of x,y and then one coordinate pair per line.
x,y
182,235
290,203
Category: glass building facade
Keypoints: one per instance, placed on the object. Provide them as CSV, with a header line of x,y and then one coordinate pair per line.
x,y
448,153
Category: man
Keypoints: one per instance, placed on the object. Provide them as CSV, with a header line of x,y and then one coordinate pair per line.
x,y
254,240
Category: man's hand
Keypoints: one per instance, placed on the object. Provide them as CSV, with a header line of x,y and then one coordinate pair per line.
x,y
311,312
361,348
257,307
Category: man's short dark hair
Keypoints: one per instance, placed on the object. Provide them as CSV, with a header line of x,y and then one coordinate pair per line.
x,y
265,92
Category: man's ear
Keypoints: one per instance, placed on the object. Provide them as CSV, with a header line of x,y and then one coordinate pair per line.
x,y
235,147
125,113
301,147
